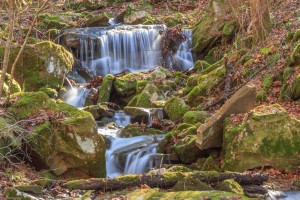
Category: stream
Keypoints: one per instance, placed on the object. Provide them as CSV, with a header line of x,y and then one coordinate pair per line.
x,y
119,48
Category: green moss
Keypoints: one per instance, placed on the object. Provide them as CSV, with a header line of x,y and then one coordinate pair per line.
x,y
187,150
266,85
178,168
201,65
130,178
141,100
230,185
228,31
52,93
150,194
30,103
133,130
126,85
175,108
105,89
12,194
194,117
190,183
141,85
290,89
45,65
296,36
15,87
35,189
295,57
43,182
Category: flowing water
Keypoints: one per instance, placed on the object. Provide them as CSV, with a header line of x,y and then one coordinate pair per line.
x,y
76,96
118,48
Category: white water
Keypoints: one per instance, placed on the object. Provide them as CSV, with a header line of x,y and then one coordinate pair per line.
x,y
76,96
117,48
277,195
134,155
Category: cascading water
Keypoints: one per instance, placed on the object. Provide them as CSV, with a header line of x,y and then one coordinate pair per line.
x,y
76,96
112,50
118,48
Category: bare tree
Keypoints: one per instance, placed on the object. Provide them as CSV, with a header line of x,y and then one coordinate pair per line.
x,y
260,18
11,13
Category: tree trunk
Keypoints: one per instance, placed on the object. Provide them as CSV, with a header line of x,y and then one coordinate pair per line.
x,y
11,12
165,180
260,18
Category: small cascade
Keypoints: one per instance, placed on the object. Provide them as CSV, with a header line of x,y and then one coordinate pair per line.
x,y
184,56
121,119
132,155
76,96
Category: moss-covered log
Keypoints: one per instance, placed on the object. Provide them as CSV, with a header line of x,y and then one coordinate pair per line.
x,y
165,180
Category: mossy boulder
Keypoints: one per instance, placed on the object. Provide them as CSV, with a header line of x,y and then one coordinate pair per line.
x,y
126,85
209,30
69,146
149,94
206,164
175,108
269,137
52,93
230,185
98,111
206,85
44,65
97,20
228,31
15,87
194,117
105,89
186,149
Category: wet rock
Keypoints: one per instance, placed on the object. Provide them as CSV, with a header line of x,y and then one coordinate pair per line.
x,y
69,146
175,108
268,137
210,134
99,111
45,65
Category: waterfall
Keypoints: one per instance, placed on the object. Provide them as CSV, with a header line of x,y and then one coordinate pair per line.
x,y
132,155
76,96
118,48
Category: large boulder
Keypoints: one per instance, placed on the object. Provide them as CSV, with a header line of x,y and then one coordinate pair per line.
x,y
268,137
64,139
136,17
126,85
210,134
209,30
44,65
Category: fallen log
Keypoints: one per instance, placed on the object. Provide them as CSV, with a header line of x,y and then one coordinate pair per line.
x,y
165,180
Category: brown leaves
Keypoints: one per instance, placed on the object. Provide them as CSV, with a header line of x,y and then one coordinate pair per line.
x,y
95,82
42,117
